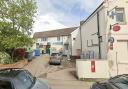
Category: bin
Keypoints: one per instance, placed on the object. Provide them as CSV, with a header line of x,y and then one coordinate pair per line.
x,y
29,56
37,52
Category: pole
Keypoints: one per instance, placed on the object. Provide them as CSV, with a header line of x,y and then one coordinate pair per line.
x,y
99,37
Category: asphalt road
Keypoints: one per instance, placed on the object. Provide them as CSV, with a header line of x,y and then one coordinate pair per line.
x,y
59,77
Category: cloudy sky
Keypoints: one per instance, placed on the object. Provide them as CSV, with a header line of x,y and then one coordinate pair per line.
x,y
53,14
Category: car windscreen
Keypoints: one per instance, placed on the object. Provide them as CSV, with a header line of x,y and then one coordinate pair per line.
x,y
23,81
121,82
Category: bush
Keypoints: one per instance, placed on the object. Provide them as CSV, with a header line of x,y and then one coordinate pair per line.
x,y
19,53
5,58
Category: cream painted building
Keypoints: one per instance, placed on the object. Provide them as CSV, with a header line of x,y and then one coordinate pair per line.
x,y
75,42
104,36
58,40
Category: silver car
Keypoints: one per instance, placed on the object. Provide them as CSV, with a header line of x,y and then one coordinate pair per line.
x,y
16,78
55,59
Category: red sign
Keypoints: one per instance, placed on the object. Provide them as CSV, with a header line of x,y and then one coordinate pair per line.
x,y
116,28
93,66
111,46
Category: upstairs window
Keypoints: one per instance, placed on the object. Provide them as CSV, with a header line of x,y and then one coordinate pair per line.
x,y
44,39
120,15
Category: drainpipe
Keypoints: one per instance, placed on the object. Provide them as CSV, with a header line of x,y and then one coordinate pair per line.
x,y
71,43
81,36
98,27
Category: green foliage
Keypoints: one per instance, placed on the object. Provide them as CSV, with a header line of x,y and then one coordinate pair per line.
x,y
16,21
5,58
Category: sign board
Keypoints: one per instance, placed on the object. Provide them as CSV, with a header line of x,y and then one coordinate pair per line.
x,y
116,28
111,40
93,66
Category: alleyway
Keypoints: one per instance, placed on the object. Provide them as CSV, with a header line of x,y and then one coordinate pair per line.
x,y
59,77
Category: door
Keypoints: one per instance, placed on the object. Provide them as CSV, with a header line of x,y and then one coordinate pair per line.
x,y
122,56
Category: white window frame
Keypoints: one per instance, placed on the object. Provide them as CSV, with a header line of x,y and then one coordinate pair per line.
x,y
119,11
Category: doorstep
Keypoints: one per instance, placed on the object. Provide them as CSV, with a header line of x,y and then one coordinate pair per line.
x,y
19,64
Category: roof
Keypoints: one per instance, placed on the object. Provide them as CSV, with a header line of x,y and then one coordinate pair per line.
x,y
9,72
95,11
55,33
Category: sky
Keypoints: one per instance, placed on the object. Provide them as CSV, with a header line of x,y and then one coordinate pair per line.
x,y
56,14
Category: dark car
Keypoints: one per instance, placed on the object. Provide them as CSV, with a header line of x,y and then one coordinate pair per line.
x,y
55,59
117,82
16,78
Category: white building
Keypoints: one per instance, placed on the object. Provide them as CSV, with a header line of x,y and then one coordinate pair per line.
x,y
104,36
75,42
58,40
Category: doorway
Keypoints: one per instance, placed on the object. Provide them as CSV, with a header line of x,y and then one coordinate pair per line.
x,y
122,56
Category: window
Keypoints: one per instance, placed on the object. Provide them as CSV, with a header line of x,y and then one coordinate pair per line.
x,y
5,85
44,39
58,38
23,81
120,15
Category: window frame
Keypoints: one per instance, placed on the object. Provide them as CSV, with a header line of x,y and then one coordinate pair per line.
x,y
44,39
122,10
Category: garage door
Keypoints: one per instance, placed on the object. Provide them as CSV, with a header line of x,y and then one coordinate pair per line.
x,y
122,56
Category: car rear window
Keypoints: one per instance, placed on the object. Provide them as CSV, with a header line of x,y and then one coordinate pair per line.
x,y
54,54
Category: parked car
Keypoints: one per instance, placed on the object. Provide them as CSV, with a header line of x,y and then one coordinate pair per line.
x,y
117,82
55,59
16,78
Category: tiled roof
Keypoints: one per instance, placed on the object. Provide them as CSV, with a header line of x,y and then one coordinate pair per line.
x,y
55,33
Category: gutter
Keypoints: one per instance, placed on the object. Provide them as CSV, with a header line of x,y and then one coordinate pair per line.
x,y
81,36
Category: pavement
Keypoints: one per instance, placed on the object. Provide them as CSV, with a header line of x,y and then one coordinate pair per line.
x,y
59,77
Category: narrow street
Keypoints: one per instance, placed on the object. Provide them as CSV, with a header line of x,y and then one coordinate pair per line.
x,y
59,77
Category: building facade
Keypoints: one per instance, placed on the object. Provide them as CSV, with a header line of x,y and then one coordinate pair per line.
x,y
58,40
75,42
104,35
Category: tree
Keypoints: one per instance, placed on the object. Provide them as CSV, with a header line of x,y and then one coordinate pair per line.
x,y
16,21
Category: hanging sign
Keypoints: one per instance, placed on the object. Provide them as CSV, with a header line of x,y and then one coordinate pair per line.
x,y
116,28
111,46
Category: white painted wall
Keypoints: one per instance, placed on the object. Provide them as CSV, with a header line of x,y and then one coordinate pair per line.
x,y
83,68
76,44
89,32
117,58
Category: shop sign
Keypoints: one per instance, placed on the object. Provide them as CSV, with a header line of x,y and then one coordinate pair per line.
x,y
116,28
111,40
93,66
